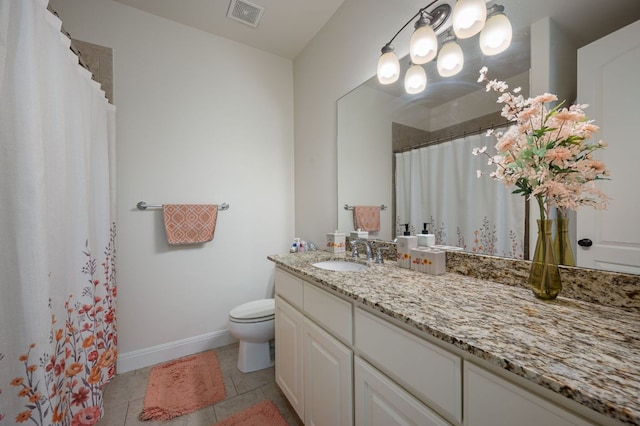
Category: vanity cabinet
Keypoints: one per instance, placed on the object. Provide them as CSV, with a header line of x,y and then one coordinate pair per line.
x,y
341,364
314,368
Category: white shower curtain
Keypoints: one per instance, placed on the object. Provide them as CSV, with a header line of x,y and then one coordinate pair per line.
x,y
57,231
438,185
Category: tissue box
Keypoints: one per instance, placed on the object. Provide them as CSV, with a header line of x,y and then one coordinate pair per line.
x,y
429,261
359,234
404,245
336,242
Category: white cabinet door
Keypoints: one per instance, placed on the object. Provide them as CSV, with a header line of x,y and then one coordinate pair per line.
x,y
608,81
289,325
381,402
492,401
328,378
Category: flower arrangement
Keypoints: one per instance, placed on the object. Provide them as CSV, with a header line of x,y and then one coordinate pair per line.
x,y
544,153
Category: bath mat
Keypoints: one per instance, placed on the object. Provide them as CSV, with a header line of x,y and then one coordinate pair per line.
x,y
263,413
183,386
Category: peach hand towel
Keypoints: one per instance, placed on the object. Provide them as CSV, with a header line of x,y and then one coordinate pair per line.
x,y
367,218
189,223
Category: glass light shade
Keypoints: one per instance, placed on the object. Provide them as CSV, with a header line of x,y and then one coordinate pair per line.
x,y
468,17
450,59
423,45
388,68
496,36
415,80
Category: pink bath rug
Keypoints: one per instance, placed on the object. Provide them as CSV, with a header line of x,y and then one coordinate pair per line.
x,y
183,386
263,413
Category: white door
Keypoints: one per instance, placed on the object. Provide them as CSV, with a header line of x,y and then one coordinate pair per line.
x,y
289,374
608,82
328,389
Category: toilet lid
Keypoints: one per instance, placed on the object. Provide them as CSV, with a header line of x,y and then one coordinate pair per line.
x,y
258,309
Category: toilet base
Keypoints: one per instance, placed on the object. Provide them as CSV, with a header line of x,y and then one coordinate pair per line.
x,y
254,356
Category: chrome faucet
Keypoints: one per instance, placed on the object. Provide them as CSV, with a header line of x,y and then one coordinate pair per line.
x,y
354,252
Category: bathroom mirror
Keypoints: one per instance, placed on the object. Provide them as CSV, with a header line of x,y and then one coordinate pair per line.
x,y
366,115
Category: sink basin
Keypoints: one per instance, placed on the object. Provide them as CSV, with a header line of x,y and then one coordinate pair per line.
x,y
340,266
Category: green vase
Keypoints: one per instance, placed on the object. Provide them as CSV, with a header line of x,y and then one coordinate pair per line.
x,y
561,246
544,277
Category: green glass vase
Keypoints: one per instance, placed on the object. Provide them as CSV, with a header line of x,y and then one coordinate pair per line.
x,y
561,246
544,276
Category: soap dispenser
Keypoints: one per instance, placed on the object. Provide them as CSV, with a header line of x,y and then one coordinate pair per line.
x,y
404,245
425,239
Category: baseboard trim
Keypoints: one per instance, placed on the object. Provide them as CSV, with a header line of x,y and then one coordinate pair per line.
x,y
141,358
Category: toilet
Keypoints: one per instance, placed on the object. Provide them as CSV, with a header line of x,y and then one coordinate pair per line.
x,y
252,323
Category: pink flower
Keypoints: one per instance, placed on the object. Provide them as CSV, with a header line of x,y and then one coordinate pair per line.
x,y
86,417
545,153
558,155
547,97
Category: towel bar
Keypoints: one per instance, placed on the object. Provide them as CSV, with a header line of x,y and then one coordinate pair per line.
x,y
142,205
348,207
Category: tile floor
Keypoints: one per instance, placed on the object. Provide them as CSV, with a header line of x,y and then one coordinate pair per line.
x,y
124,396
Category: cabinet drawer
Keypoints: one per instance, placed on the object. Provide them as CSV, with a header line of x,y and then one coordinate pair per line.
x,y
329,311
492,401
289,288
430,373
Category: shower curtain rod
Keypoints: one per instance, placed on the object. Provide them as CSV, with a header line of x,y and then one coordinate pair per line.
x,y
452,137
142,205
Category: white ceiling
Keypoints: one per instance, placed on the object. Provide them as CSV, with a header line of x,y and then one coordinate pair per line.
x,y
285,28
288,25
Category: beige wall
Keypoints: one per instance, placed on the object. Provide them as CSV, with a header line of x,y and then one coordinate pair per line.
x,y
200,119
342,56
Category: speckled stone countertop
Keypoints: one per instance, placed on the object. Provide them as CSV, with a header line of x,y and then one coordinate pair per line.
x,y
586,352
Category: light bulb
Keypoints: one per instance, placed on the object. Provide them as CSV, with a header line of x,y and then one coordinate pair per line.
x,y
496,36
415,80
468,17
388,66
450,59
423,45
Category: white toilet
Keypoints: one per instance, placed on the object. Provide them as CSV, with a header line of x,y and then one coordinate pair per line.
x,y
252,323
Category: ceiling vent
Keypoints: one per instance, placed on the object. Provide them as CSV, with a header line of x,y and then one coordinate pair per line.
x,y
245,12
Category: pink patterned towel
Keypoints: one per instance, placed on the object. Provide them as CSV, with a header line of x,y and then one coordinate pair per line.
x,y
189,223
367,218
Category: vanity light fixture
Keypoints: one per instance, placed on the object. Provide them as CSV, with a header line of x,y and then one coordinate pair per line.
x,y
421,50
497,33
468,18
424,43
388,65
415,80
450,58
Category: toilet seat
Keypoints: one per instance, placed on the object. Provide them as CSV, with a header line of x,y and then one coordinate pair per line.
x,y
255,311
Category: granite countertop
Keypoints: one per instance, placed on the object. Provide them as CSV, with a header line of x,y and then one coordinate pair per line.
x,y
583,351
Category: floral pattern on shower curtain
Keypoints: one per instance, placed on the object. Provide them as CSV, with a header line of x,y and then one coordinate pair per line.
x,y
58,335
438,184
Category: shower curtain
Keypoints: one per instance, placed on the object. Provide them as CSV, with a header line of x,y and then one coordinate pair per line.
x,y
438,184
57,231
